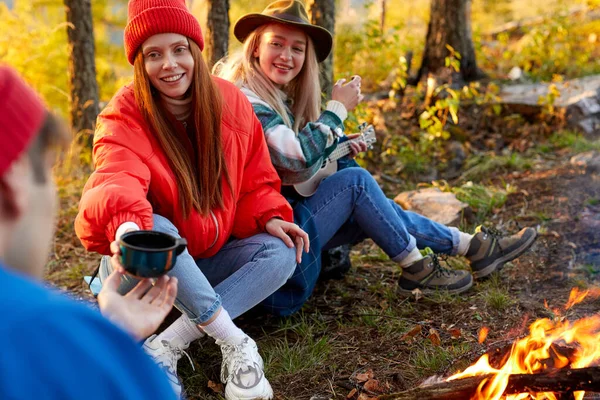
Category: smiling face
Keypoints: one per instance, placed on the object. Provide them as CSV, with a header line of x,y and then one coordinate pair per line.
x,y
169,63
281,53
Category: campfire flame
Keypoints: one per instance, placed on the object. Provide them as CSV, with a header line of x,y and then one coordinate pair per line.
x,y
539,352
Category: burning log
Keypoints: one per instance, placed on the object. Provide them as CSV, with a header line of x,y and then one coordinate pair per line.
x,y
557,381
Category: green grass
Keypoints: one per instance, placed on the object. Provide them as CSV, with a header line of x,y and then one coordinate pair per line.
x,y
593,202
299,344
302,324
482,199
589,269
74,273
572,140
284,356
494,293
483,167
498,299
429,360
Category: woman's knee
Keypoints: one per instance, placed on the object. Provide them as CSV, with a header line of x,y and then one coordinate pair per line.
x,y
358,177
162,224
127,281
283,258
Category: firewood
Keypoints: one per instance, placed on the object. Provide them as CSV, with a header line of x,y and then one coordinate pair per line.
x,y
558,381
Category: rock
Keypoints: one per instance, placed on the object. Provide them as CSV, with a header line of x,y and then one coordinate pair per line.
x,y
593,166
590,160
582,159
442,207
579,98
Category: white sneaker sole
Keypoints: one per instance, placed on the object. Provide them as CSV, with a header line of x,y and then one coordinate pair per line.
x,y
265,394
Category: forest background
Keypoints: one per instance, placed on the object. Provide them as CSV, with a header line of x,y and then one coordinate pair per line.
x,y
513,166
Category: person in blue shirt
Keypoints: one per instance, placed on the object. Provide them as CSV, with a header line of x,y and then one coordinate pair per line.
x,y
54,347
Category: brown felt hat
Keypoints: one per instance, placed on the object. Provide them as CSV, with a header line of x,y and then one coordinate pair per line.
x,y
288,12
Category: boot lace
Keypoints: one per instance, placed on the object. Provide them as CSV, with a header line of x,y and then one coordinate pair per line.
x,y
440,271
493,232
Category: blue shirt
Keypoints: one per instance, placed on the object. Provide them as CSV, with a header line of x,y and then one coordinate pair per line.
x,y
52,347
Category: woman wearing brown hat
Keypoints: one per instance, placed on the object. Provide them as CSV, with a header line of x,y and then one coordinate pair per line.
x,y
181,152
278,72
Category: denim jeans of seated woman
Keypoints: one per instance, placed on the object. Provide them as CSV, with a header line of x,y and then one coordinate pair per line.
x,y
242,274
348,207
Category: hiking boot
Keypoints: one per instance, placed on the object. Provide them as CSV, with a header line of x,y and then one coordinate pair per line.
x,y
489,250
166,354
242,370
335,262
428,275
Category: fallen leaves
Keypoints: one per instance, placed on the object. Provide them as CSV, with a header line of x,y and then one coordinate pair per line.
x,y
370,388
365,376
373,385
418,294
455,333
434,337
216,387
412,333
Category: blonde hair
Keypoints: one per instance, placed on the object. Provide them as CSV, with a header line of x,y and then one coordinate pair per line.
x,y
304,90
199,185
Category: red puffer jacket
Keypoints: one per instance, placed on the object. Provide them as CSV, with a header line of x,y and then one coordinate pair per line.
x,y
133,180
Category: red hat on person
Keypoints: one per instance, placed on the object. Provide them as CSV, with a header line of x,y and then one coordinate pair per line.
x,y
22,113
146,18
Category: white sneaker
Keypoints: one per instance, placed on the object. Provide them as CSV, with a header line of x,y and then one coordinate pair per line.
x,y
166,354
242,370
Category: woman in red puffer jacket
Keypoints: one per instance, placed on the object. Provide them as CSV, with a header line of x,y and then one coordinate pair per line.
x,y
181,152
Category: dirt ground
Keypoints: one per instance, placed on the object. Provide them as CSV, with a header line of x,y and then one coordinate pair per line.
x,y
358,329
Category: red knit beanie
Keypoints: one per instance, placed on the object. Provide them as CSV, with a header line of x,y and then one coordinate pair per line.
x,y
22,113
146,18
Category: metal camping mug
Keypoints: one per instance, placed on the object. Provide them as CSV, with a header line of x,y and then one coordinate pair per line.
x,y
149,254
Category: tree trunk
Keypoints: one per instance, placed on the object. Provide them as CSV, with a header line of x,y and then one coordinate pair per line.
x,y
214,19
322,13
82,69
563,381
449,24
382,15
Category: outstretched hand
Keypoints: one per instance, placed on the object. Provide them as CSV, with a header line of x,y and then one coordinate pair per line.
x,y
141,311
291,234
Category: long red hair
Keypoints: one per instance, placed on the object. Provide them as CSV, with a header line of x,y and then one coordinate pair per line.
x,y
199,185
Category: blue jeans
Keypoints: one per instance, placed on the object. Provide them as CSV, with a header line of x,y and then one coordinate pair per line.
x,y
242,274
350,206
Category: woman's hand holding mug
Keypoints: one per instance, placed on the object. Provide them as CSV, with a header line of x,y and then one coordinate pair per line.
x,y
349,94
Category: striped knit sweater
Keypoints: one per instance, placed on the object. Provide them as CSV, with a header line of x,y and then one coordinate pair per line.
x,y
297,157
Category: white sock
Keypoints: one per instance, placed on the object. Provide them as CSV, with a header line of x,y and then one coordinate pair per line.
x,y
222,327
414,256
182,328
464,240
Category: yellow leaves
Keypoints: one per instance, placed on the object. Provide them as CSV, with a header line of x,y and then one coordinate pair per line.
x,y
34,42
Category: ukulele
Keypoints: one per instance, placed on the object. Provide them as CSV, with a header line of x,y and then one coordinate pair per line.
x,y
329,166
